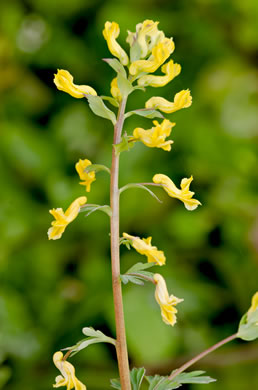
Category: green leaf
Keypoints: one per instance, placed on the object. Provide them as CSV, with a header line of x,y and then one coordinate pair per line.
x,y
158,382
111,100
124,85
140,266
96,168
135,51
116,65
137,375
143,187
145,112
115,383
248,326
130,278
193,377
99,108
124,145
91,208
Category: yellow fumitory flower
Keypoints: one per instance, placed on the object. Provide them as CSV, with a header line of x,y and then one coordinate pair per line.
x,y
182,99
64,82
115,91
144,247
184,194
63,219
155,137
87,178
147,36
254,305
170,69
68,377
110,33
167,302
160,53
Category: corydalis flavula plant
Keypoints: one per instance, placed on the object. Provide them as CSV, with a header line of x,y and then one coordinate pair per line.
x,y
149,51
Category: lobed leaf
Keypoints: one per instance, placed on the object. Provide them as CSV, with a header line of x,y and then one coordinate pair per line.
x,y
98,107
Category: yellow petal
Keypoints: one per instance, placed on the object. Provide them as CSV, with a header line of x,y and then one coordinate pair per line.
x,y
170,69
184,194
87,178
183,99
63,219
67,370
115,91
254,304
64,82
110,33
165,301
144,247
155,137
160,53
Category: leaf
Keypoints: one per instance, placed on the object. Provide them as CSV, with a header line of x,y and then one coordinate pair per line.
x,y
135,51
248,326
124,85
140,266
143,187
99,108
147,113
96,168
130,278
124,145
91,208
116,65
193,377
111,100
161,383
136,376
115,383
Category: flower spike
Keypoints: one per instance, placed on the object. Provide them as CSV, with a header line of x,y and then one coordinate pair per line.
x,y
144,247
64,82
166,301
183,99
63,219
155,137
68,377
88,178
185,195
110,33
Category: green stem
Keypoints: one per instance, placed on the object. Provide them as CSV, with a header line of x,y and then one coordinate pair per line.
x,y
201,355
121,346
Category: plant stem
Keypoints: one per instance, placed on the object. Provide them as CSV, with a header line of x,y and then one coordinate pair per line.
x,y
202,354
121,347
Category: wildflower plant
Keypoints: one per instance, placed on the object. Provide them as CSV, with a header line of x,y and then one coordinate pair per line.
x,y
149,50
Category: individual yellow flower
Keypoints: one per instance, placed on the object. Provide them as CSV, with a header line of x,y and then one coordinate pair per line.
x,y
115,91
63,219
170,69
183,99
184,194
64,82
254,305
68,377
87,178
155,137
167,302
144,247
160,53
110,33
147,36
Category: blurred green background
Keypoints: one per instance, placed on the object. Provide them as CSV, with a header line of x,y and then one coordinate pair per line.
x,y
49,290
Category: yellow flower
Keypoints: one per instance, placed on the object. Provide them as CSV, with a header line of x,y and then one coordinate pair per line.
x,y
64,82
144,247
63,219
68,377
155,137
147,36
115,91
166,301
183,99
88,178
254,305
110,33
160,53
170,69
184,194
